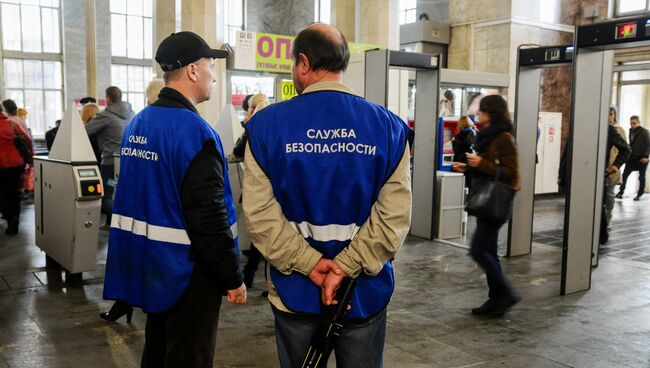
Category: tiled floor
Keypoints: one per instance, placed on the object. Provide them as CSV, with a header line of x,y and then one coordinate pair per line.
x,y
45,322
629,234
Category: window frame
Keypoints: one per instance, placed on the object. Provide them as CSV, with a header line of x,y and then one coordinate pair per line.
x,y
42,56
618,13
130,61
227,26
405,11
125,89
318,16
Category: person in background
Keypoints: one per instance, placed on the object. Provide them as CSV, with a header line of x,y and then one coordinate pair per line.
x,y
88,112
22,113
12,167
50,135
87,100
255,103
617,153
240,145
153,90
108,126
496,150
640,145
11,109
120,308
463,142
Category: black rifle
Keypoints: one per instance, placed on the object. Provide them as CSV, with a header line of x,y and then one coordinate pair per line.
x,y
330,328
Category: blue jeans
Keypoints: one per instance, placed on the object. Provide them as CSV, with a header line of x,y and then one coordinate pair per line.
x,y
484,252
360,346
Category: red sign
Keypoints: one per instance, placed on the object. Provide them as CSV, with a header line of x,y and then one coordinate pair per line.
x,y
626,30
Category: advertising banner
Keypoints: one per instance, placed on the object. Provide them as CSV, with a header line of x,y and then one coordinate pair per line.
x,y
267,52
288,90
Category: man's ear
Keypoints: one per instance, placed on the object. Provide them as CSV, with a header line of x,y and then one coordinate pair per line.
x,y
304,66
192,71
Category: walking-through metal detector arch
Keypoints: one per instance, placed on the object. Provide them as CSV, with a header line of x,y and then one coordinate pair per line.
x,y
527,105
592,82
378,63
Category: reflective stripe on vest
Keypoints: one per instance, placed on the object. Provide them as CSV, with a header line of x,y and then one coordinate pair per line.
x,y
155,232
151,232
325,233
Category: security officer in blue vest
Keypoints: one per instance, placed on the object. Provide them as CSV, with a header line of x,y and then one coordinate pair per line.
x,y
173,240
327,194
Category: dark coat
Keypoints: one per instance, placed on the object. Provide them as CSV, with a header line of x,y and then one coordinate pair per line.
x,y
462,144
640,143
502,151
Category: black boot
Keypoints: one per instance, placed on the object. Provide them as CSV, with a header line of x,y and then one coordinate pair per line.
x,y
12,228
501,306
484,308
118,310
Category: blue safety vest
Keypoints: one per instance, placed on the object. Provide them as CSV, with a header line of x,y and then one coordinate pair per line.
x,y
148,261
327,155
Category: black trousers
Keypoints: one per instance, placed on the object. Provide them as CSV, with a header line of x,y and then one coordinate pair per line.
x,y
631,166
184,336
9,196
484,252
107,172
253,262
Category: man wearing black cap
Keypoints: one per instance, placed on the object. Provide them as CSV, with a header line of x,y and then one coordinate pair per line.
x,y
173,240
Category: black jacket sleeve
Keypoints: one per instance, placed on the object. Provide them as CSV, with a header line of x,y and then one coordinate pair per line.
x,y
206,218
615,140
240,146
645,143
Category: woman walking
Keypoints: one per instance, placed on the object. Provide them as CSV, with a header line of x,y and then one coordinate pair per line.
x,y
12,167
496,157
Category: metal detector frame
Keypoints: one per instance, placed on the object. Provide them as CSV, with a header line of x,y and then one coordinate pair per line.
x,y
378,64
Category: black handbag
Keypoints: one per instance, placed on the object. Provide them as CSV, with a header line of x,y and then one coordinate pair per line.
x,y
490,200
22,145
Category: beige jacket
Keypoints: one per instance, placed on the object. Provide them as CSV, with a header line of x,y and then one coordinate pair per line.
x,y
615,178
285,249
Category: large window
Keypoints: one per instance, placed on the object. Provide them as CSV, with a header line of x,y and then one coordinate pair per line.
x,y
407,10
626,7
132,47
31,64
547,11
132,80
322,11
233,20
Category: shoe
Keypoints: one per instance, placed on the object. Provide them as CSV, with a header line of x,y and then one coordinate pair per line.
x,y
619,196
637,198
118,310
105,227
12,229
502,306
484,308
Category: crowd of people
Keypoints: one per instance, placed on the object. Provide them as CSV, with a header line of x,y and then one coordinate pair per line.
x,y
317,218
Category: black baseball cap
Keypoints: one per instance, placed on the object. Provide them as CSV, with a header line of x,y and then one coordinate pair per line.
x,y
183,48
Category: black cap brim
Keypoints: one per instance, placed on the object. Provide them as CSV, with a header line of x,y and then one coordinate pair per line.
x,y
216,54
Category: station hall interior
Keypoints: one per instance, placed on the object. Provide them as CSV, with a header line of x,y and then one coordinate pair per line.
x,y
563,67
